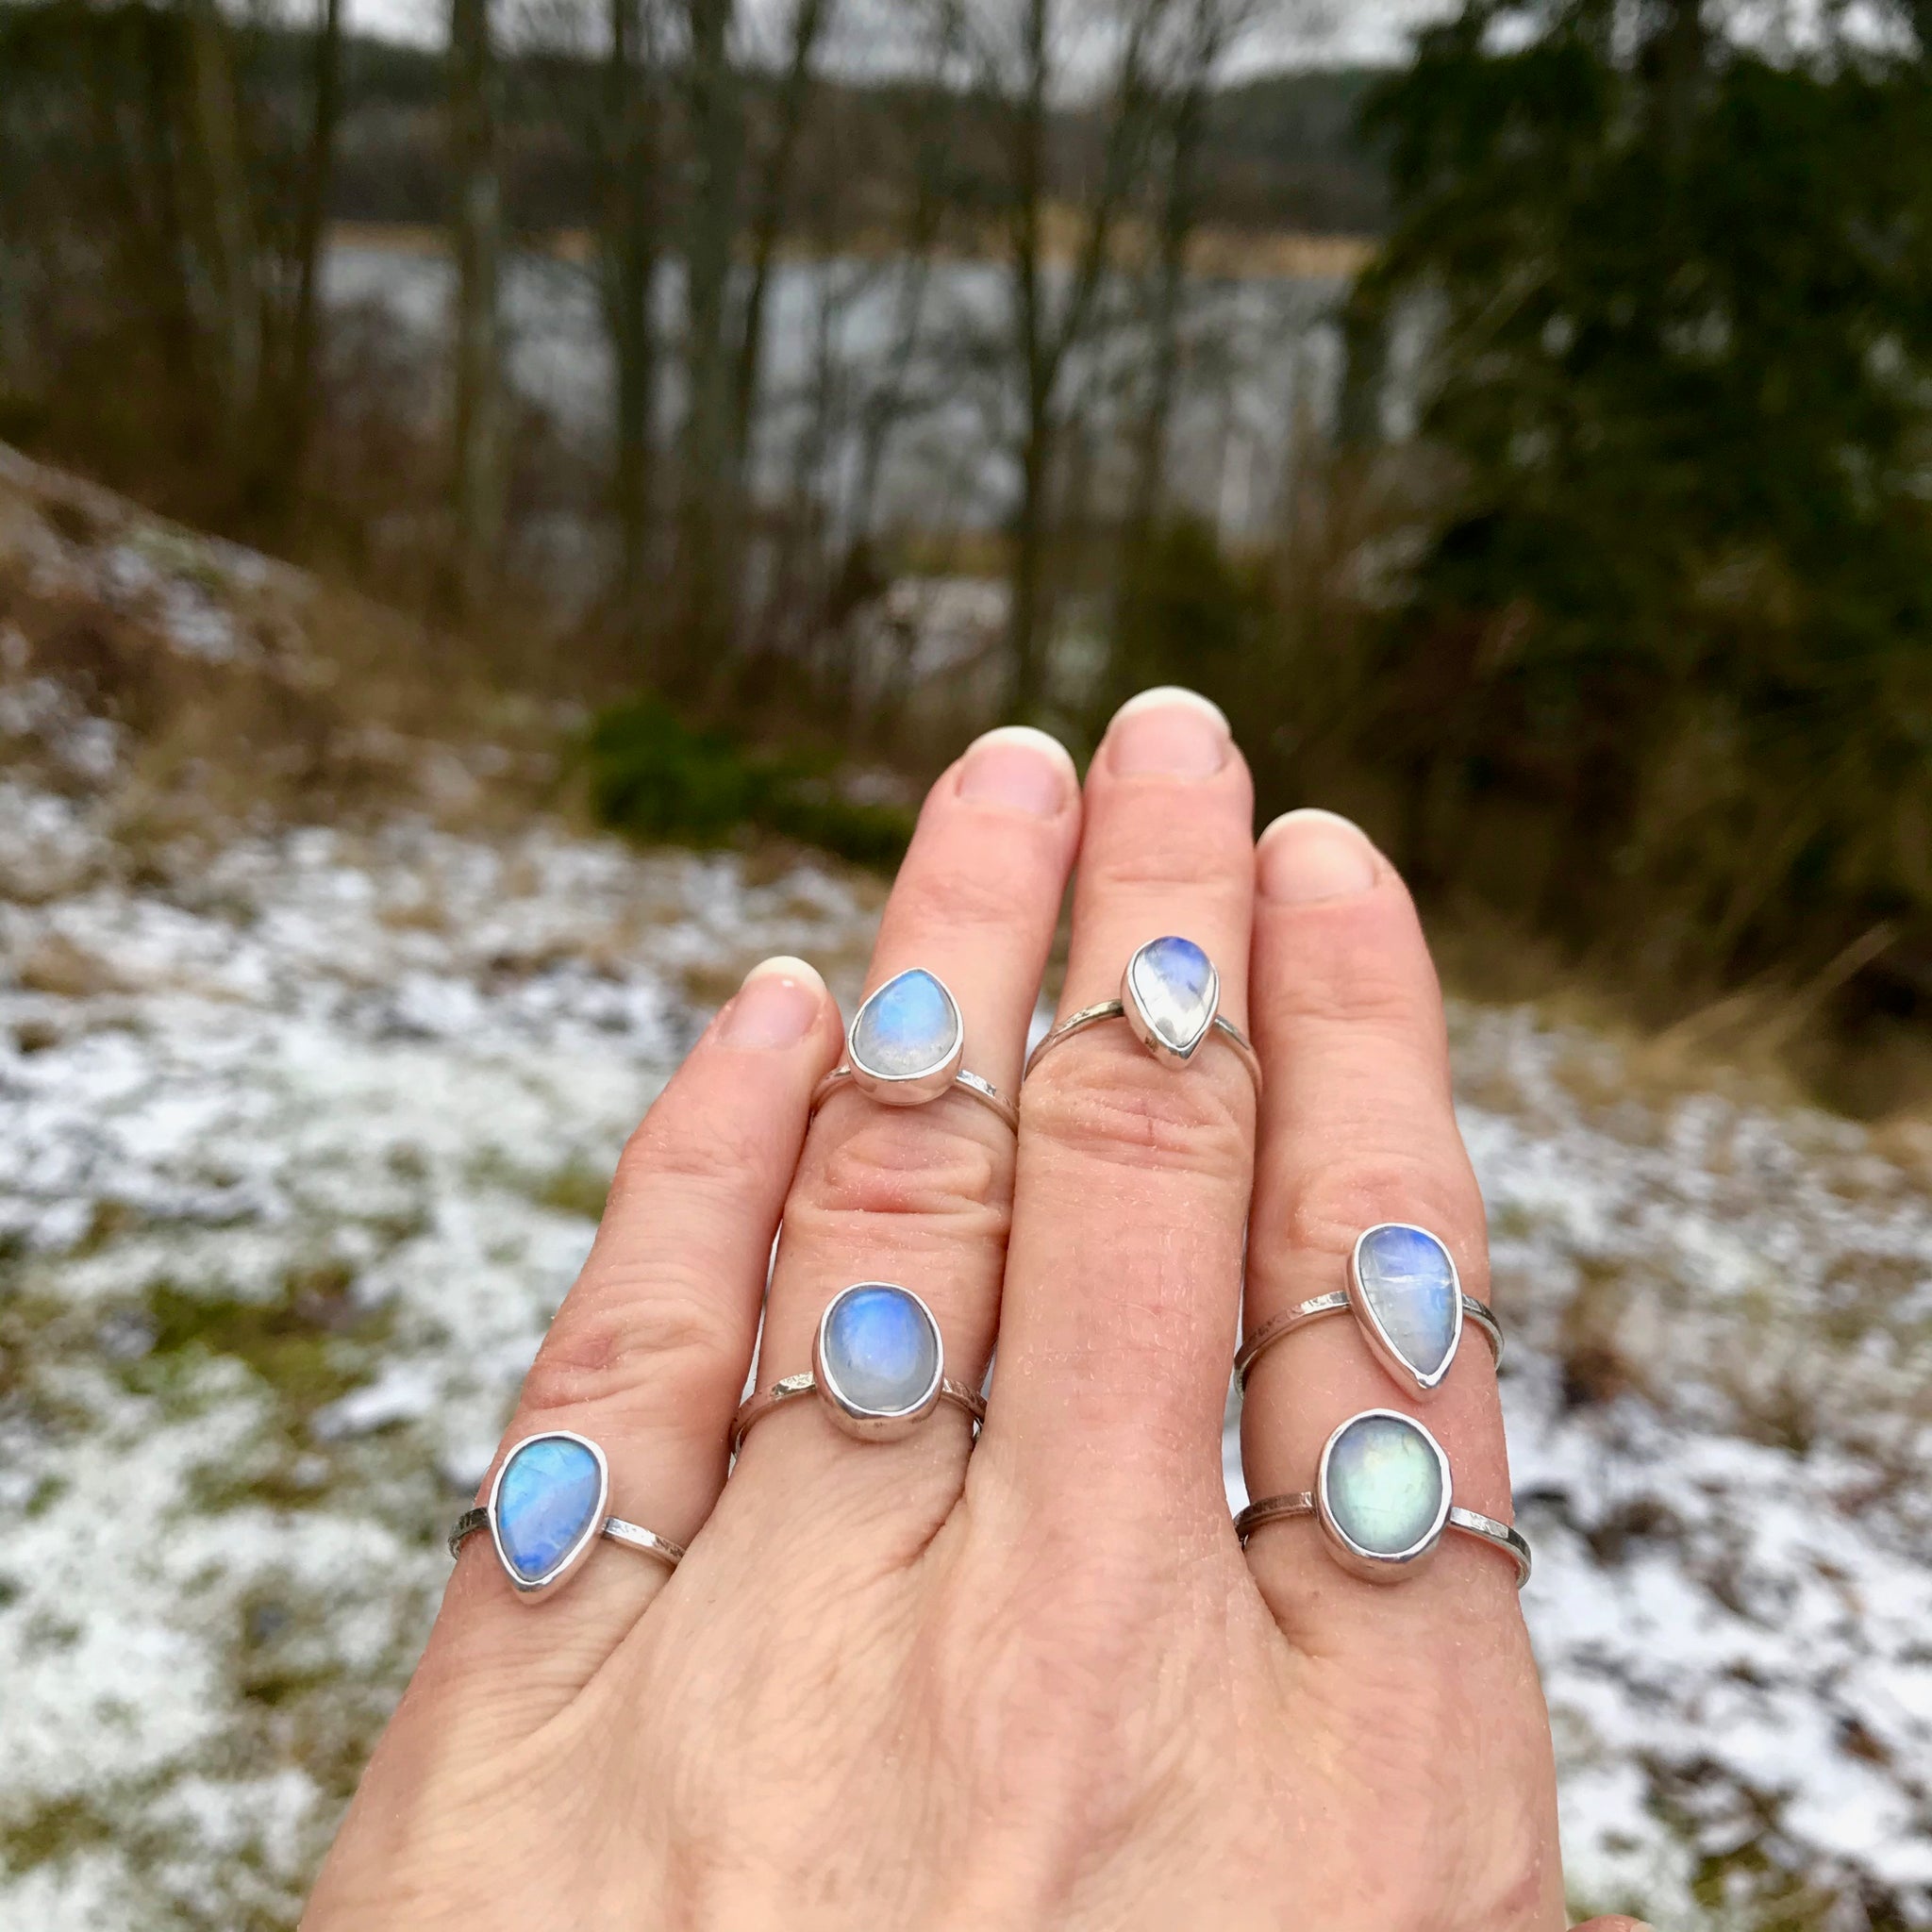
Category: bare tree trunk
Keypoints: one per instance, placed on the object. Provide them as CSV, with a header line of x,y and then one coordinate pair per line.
x,y
298,387
218,134
631,247
1045,334
808,19
1211,25
478,480
707,508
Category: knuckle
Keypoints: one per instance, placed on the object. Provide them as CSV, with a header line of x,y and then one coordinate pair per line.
x,y
1172,856
889,1165
990,894
719,1154
1326,1204
1129,1111
669,1342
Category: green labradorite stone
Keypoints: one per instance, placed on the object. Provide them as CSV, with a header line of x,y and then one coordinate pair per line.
x,y
1383,1484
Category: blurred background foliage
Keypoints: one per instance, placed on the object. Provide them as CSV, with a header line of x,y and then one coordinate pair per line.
x,y
1528,447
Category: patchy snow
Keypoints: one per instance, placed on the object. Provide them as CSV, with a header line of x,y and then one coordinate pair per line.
x,y
300,1142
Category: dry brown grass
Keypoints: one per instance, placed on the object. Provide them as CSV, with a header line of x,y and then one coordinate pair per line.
x,y
237,687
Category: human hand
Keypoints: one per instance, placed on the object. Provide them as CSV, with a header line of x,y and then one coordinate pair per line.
x,y
1039,1683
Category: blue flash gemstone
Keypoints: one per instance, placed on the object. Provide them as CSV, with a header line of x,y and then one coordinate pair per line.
x,y
549,1495
1172,981
1383,1484
1405,1276
907,1027
880,1348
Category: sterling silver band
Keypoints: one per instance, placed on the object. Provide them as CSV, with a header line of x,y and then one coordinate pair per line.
x,y
755,1409
1115,1009
1266,1336
982,1091
1470,1521
634,1536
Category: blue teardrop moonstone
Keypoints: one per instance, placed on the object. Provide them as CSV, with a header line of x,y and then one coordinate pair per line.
x,y
549,1495
1171,980
907,1028
1405,1276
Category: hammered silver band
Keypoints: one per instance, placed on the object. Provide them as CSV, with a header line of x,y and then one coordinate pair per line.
x,y
755,1409
1470,1521
1258,1343
633,1536
1116,1009
982,1091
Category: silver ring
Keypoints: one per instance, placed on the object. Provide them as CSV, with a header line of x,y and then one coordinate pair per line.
x,y
878,1367
546,1508
1171,996
1407,1297
903,1048
1382,1497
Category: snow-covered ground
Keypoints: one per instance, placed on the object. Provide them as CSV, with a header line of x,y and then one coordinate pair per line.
x,y
300,1144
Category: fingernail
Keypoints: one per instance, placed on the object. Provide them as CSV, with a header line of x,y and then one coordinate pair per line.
x,y
776,1006
1168,733
1311,854
1021,767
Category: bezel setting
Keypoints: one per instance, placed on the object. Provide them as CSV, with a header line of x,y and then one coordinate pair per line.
x,y
1378,1566
534,1589
1387,1350
923,1083
858,1419
1168,1053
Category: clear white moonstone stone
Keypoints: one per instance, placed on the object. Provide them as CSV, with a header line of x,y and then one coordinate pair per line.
x,y
1383,1484
1172,981
880,1348
907,1027
1406,1278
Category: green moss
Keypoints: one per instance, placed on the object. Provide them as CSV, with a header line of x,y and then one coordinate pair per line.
x,y
54,1830
655,777
310,1345
576,1188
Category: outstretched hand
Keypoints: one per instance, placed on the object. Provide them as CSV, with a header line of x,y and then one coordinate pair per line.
x,y
1032,1681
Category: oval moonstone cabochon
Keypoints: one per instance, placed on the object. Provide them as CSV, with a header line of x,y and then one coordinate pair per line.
x,y
1382,1483
907,1027
1174,987
550,1492
1406,1282
880,1348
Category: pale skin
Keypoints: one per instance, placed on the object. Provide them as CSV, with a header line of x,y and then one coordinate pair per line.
x,y
1034,1681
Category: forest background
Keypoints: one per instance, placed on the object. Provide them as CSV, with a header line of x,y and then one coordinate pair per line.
x,y
1529,445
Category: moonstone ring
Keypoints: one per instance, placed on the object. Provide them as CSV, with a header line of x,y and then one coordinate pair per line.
x,y
1382,1499
877,1365
1171,996
547,1509
903,1048
1407,1299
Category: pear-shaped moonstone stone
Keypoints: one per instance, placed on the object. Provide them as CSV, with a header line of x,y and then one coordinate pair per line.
x,y
1383,1484
1407,1279
880,1348
907,1027
1172,981
548,1497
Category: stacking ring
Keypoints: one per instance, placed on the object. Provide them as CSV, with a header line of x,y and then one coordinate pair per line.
x,y
545,1510
1382,1497
1171,996
1406,1295
878,1366
903,1048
